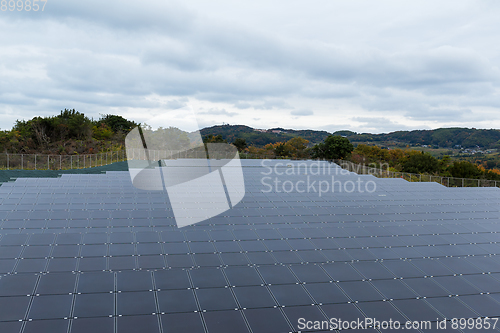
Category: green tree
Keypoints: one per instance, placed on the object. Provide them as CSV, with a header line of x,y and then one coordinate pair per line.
x,y
334,147
79,126
444,164
281,150
214,139
102,132
421,163
464,169
117,123
240,144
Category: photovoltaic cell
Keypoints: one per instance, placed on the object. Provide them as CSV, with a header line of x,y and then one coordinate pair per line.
x,y
91,253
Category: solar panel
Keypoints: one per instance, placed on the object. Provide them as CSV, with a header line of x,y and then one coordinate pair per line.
x,y
86,253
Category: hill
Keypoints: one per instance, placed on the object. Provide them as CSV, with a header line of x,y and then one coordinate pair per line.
x,y
442,137
68,133
71,132
259,137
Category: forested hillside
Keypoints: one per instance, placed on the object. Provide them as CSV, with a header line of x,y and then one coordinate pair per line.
x,y
67,133
260,138
442,137
71,132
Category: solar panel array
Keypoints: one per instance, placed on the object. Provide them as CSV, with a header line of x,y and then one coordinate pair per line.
x,y
90,253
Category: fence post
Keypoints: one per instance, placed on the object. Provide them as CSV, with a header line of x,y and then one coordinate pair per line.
x,y
48,162
7,161
22,158
463,182
60,162
71,157
35,161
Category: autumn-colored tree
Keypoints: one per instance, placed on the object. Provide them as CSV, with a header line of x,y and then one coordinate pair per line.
x,y
297,147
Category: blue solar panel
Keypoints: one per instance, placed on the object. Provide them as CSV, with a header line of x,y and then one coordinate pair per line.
x,y
88,253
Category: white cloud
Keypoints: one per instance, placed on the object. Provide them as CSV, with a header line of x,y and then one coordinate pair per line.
x,y
300,113
218,112
423,63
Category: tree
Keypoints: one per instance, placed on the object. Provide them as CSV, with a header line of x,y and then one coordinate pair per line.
x,y
296,147
444,163
281,150
240,144
214,139
41,128
102,132
117,123
464,169
79,126
334,147
421,163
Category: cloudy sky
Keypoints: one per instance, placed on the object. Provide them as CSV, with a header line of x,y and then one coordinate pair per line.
x,y
367,66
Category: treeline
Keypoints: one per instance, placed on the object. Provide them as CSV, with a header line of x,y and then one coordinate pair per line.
x,y
259,138
414,161
442,137
70,132
338,147
334,147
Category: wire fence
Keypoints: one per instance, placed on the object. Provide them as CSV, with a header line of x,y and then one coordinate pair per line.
x,y
59,162
66,162
413,177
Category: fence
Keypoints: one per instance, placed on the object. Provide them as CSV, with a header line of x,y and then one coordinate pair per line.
x,y
156,155
59,162
62,162
65,162
412,177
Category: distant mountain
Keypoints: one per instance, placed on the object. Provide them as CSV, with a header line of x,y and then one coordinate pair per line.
x,y
261,137
442,137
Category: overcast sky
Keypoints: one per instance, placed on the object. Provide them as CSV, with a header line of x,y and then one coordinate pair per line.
x,y
367,66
